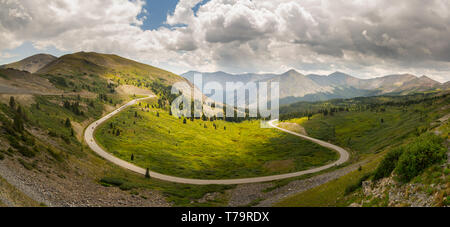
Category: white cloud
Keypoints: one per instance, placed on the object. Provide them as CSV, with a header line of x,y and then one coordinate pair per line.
x,y
362,37
183,13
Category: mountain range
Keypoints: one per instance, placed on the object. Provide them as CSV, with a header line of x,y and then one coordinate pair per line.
x,y
86,72
295,86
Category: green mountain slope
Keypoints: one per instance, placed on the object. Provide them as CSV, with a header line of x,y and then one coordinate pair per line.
x,y
42,120
370,128
107,65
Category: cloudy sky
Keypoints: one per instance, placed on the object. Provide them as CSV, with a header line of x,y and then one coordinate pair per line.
x,y
365,38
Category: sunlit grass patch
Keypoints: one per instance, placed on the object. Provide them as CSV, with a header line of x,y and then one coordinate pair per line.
x,y
150,137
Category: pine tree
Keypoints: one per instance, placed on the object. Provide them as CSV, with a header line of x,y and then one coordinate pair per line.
x,y
19,110
147,173
12,102
184,121
67,123
18,123
132,157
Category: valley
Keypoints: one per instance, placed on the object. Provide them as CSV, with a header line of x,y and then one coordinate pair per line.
x,y
206,149
44,160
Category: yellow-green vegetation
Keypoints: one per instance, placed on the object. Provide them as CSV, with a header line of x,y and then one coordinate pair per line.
x,y
61,150
53,120
373,129
299,121
152,138
101,74
444,130
89,82
380,127
86,65
334,192
410,160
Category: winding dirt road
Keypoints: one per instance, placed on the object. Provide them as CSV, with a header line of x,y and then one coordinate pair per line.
x,y
89,137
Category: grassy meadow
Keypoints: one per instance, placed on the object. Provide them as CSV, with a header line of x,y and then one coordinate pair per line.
x,y
333,193
206,149
372,131
369,134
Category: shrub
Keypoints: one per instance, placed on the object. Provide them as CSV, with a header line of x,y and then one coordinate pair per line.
x,y
419,155
55,155
10,151
29,140
446,171
12,102
127,186
27,165
4,76
388,164
65,139
354,187
52,134
117,182
25,151
13,141
112,181
61,81
18,123
447,201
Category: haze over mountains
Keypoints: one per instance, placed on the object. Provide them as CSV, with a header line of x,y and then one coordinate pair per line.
x,y
295,86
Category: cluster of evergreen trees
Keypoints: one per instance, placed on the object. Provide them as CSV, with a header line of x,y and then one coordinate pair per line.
x,y
16,130
114,130
372,104
164,93
74,107
19,115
